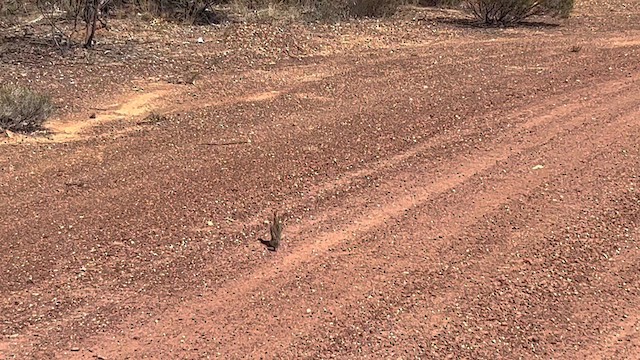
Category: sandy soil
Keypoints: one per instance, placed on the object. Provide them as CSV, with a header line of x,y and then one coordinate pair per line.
x,y
448,192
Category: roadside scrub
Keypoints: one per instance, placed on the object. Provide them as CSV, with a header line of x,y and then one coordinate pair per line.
x,y
23,110
506,12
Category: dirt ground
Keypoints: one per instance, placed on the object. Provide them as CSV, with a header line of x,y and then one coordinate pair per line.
x,y
448,191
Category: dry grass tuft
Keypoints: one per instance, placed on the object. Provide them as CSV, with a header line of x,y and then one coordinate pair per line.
x,y
23,110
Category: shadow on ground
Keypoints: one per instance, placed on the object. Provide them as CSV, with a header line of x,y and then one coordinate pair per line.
x,y
471,23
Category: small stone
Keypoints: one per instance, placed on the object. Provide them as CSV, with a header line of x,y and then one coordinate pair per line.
x,y
75,349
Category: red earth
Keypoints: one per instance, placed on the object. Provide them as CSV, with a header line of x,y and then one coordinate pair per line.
x,y
448,191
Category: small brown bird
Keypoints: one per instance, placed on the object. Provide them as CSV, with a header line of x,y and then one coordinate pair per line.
x,y
275,228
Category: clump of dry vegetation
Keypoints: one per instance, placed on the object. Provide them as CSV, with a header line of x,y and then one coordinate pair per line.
x,y
492,12
440,3
215,11
313,10
504,12
374,8
23,110
186,11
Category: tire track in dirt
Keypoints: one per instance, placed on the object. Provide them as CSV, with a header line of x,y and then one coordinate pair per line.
x,y
501,250
548,127
623,341
347,179
563,106
482,203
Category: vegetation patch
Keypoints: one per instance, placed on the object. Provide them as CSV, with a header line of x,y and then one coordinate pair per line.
x,y
505,12
23,110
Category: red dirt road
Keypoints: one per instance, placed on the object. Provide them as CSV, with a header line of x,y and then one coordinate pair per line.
x,y
468,196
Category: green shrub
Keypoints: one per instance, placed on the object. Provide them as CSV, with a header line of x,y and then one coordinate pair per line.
x,y
23,110
501,12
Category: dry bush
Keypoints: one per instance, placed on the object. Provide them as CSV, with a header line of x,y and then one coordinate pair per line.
x,y
187,11
269,10
216,11
315,10
440,3
23,110
11,10
374,8
14,7
503,12
559,8
326,10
